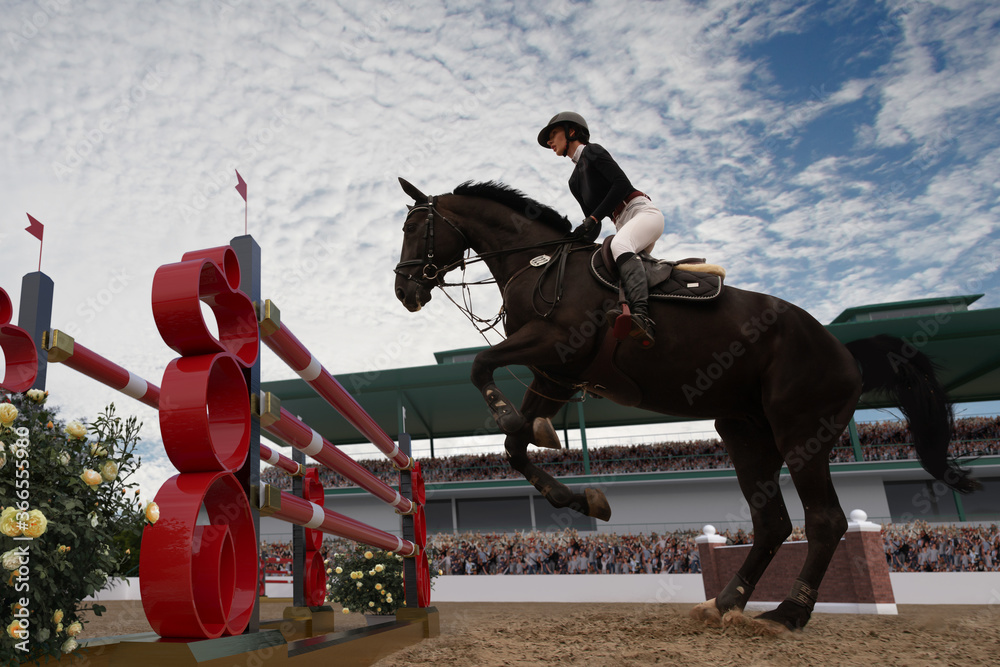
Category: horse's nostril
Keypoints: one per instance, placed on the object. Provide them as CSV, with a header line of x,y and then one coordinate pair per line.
x,y
400,294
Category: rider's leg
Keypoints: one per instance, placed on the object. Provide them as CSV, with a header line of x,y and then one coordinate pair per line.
x,y
639,226
633,275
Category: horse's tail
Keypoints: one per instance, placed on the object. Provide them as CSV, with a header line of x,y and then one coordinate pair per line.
x,y
892,366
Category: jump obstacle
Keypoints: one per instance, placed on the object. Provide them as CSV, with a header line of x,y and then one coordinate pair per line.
x,y
199,579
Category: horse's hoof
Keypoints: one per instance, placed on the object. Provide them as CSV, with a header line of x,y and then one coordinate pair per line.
x,y
597,504
707,613
544,434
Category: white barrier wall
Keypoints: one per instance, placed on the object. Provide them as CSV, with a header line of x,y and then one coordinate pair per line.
x,y
908,587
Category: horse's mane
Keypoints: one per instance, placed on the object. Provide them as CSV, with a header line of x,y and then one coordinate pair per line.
x,y
518,201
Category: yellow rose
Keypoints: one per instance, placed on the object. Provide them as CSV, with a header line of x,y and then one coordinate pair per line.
x,y
91,477
8,522
16,631
388,598
76,430
69,646
378,587
37,523
379,567
59,628
109,470
57,617
369,554
152,512
345,610
36,395
8,413
74,629
371,604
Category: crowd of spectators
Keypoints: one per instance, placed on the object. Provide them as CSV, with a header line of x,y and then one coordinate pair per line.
x,y
880,441
909,547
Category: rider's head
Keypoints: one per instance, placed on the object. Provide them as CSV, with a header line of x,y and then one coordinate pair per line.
x,y
563,129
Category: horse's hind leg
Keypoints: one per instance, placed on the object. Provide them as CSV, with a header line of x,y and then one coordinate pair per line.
x,y
541,401
806,449
755,456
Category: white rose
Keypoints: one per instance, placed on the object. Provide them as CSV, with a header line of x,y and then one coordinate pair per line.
x,y
64,458
8,413
11,560
76,430
109,470
69,645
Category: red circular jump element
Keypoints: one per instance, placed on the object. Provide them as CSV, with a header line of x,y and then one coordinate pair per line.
x,y
417,492
179,289
19,351
199,580
224,256
312,490
314,583
423,567
205,413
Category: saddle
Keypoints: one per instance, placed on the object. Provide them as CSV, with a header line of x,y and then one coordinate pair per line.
x,y
689,279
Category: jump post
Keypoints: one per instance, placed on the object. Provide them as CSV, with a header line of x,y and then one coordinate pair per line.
x,y
856,582
199,567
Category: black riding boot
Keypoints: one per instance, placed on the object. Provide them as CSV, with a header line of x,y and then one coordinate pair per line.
x,y
633,276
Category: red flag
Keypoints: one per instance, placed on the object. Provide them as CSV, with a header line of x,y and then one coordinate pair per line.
x,y
36,228
241,187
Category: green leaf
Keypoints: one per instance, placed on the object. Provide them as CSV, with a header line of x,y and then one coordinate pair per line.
x,y
99,609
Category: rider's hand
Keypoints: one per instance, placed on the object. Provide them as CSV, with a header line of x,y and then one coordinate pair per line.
x,y
586,230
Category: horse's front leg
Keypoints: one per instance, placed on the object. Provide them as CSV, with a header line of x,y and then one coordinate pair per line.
x,y
530,345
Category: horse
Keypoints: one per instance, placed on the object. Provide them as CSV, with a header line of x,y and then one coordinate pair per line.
x,y
780,387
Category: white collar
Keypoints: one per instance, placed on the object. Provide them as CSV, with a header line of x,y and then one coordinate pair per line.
x,y
578,153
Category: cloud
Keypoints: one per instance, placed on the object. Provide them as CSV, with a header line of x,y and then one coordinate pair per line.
x,y
871,162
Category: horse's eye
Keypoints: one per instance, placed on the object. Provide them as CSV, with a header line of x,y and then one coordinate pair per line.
x,y
409,227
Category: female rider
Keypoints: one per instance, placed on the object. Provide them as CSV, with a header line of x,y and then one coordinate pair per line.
x,y
603,189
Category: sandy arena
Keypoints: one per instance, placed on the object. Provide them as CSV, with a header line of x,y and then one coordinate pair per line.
x,y
482,635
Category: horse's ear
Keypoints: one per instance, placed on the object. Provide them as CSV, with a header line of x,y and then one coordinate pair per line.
x,y
411,190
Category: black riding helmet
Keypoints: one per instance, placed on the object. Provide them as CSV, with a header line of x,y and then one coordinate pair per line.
x,y
568,120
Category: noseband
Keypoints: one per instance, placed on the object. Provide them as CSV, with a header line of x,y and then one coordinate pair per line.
x,y
430,272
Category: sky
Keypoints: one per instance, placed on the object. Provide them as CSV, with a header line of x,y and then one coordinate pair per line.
x,y
834,154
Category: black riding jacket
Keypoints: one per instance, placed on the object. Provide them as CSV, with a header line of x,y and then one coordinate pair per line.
x,y
598,183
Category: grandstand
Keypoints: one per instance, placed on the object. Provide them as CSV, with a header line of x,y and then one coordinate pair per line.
x,y
667,486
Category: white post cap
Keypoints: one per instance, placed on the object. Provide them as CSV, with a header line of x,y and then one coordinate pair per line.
x,y
859,523
710,536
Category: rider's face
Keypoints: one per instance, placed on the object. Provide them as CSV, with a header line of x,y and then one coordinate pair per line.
x,y
557,140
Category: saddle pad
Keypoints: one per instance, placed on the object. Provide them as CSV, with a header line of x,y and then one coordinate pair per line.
x,y
667,280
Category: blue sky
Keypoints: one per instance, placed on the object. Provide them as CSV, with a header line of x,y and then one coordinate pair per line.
x,y
832,153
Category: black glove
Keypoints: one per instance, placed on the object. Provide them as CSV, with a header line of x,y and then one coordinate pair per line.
x,y
588,230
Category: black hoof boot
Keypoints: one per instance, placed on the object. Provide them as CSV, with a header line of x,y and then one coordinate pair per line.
x,y
507,417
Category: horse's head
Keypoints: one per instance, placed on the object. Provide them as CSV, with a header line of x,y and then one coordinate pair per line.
x,y
430,250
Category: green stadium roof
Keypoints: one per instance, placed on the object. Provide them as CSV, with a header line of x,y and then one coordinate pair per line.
x,y
441,402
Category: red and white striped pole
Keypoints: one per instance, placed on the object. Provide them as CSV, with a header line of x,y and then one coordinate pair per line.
x,y
290,350
302,437
287,507
268,455
63,349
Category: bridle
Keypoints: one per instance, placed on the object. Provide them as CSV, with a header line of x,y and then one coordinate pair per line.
x,y
430,272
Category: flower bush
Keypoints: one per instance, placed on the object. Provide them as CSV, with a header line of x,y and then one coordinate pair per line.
x,y
367,580
83,528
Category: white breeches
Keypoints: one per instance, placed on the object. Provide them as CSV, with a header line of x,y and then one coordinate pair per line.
x,y
639,226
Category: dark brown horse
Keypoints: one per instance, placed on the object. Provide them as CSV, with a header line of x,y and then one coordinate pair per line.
x,y
779,386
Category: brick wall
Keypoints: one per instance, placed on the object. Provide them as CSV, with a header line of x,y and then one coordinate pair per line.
x,y
858,572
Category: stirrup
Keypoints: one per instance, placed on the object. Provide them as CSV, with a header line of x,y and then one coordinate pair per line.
x,y
642,331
